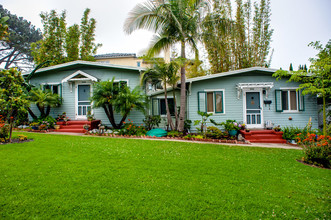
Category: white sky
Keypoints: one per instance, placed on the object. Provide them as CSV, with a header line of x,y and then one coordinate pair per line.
x,y
295,24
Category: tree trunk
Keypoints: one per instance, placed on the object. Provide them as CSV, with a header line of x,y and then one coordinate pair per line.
x,y
175,103
324,116
182,92
110,115
32,114
41,109
10,129
48,110
167,106
123,118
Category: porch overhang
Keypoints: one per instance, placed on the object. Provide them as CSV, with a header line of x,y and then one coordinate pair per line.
x,y
79,76
264,85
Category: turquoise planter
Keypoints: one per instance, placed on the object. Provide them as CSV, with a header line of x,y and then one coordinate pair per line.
x,y
233,132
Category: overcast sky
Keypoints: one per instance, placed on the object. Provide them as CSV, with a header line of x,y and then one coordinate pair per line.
x,y
295,24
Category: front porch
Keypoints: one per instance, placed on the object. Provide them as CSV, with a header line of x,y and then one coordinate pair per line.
x,y
263,136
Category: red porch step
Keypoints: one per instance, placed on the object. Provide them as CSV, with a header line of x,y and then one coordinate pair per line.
x,y
76,126
263,136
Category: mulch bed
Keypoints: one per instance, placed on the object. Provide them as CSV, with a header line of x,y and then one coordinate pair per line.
x,y
16,141
171,138
311,165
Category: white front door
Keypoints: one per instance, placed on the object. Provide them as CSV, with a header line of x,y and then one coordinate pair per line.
x,y
253,109
83,103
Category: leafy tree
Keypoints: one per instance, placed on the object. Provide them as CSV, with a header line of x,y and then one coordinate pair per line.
x,y
194,69
61,44
114,98
13,99
239,42
15,49
318,80
173,21
44,100
3,27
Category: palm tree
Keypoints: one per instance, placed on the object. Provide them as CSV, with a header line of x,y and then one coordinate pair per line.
x,y
167,74
173,21
45,100
113,98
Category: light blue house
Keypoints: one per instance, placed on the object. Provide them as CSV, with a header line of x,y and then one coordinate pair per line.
x,y
74,81
251,96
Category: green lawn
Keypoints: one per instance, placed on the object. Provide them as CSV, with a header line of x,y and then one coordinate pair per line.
x,y
59,176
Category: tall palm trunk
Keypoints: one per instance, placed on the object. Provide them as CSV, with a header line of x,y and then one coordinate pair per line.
x,y
182,91
175,104
167,106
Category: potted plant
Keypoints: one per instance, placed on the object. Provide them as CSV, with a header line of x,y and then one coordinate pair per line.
x,y
90,116
34,125
231,126
86,127
57,127
277,129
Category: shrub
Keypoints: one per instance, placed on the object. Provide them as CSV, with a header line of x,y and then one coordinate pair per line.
x,y
317,149
131,129
290,133
152,121
174,134
4,131
187,125
22,137
214,132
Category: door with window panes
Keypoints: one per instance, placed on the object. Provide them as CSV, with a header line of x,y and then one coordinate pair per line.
x,y
83,101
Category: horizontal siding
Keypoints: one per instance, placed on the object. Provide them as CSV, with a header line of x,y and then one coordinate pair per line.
x,y
68,94
234,107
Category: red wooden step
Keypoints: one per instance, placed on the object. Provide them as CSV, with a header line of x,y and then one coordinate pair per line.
x,y
263,136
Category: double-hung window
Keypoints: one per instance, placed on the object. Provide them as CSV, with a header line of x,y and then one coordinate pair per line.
x,y
54,88
159,106
211,101
289,100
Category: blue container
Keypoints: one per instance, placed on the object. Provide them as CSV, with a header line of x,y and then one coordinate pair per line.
x,y
233,132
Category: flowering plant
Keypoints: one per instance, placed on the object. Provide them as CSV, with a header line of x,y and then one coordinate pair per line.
x,y
317,149
62,117
230,125
130,129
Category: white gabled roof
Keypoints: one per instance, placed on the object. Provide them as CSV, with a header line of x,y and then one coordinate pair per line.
x,y
89,63
234,72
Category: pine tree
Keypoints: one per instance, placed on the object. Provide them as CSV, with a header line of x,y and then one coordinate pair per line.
x,y
291,67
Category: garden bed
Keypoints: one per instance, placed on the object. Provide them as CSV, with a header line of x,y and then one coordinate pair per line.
x,y
169,138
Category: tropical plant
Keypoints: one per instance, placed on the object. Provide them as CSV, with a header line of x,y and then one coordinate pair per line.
x,y
203,121
113,98
44,100
173,21
228,125
317,80
152,121
167,74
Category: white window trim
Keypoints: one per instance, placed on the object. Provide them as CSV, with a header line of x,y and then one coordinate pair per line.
x,y
223,99
79,72
288,98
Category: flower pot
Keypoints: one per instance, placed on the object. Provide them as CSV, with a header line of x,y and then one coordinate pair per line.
x,y
233,132
57,127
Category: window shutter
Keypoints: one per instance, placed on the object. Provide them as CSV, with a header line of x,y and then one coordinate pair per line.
x,y
155,107
278,100
202,106
301,101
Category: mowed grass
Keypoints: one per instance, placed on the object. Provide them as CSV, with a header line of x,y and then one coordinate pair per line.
x,y
58,176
